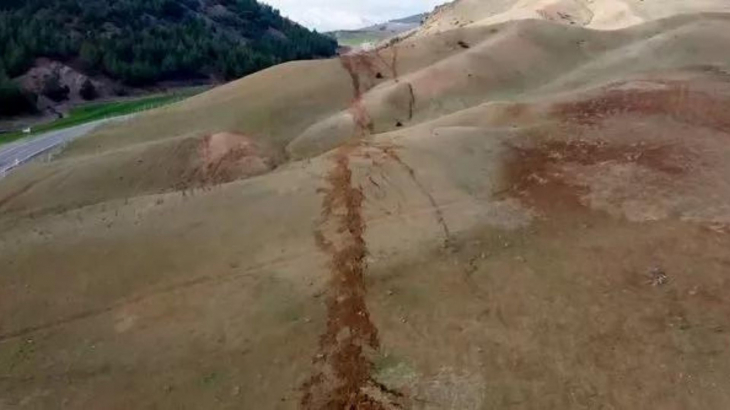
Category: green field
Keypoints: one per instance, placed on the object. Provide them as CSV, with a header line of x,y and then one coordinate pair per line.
x,y
97,111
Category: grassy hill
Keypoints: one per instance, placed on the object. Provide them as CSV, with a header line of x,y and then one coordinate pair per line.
x,y
527,214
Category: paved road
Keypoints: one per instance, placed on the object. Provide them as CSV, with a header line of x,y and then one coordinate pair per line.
x,y
22,151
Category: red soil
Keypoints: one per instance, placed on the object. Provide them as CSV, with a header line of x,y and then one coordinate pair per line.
x,y
676,101
225,157
536,174
345,369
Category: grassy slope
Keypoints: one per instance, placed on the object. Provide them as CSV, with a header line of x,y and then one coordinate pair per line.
x,y
216,297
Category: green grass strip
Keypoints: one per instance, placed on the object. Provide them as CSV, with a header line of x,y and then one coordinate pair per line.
x,y
97,111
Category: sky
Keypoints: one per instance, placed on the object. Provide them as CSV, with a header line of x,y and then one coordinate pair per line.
x,y
328,15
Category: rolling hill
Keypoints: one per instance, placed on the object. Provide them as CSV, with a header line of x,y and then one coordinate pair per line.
x,y
509,212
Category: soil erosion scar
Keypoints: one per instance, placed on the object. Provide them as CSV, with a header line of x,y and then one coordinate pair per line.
x,y
676,101
393,64
355,65
343,377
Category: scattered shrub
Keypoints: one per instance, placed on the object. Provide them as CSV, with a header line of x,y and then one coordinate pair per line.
x,y
53,89
88,91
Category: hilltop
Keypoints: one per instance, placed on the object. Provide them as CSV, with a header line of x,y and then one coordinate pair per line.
x,y
597,14
64,49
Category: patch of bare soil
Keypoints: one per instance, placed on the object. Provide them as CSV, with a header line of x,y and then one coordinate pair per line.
x,y
392,64
227,156
362,71
344,379
43,68
675,100
366,70
537,174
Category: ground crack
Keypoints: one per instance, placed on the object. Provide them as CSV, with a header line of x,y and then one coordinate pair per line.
x,y
411,101
438,213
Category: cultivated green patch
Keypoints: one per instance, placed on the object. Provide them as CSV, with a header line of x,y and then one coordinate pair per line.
x,y
96,111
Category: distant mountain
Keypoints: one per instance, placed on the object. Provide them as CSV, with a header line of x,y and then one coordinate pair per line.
x,y
378,32
399,25
142,42
415,19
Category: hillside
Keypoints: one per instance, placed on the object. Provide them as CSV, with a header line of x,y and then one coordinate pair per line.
x,y
598,14
527,214
140,42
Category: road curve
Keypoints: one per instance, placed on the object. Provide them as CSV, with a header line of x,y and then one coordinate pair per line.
x,y
19,152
